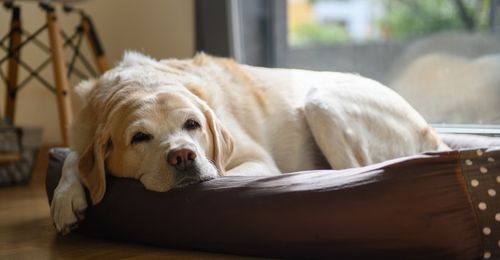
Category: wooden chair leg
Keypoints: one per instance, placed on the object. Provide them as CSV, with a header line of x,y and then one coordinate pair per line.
x,y
13,66
95,44
61,81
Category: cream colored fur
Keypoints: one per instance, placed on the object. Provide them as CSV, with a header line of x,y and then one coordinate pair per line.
x,y
254,121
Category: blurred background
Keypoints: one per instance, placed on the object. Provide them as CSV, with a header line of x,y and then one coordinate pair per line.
x,y
443,56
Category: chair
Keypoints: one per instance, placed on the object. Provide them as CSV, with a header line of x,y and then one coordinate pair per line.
x,y
58,40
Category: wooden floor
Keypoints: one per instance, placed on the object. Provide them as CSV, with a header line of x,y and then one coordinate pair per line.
x,y
26,230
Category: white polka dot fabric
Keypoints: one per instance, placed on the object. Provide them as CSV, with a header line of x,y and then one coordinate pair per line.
x,y
481,169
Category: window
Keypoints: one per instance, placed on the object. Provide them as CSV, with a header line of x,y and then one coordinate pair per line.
x,y
443,56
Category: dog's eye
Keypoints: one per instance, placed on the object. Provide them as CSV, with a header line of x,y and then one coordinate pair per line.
x,y
191,125
141,137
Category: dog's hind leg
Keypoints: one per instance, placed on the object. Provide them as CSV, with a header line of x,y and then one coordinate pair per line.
x,y
338,143
356,126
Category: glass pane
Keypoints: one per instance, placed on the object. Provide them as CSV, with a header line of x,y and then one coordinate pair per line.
x,y
443,56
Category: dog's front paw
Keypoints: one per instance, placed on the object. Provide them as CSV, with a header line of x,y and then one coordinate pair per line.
x,y
68,207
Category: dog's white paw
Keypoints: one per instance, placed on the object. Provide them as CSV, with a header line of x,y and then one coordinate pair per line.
x,y
68,207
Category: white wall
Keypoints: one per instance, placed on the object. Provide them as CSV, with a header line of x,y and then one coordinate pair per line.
x,y
160,28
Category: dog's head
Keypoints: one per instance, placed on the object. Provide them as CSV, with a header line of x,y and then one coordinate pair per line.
x,y
140,121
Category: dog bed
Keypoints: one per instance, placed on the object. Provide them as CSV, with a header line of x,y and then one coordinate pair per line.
x,y
429,206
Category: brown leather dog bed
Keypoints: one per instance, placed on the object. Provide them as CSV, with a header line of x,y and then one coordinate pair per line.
x,y
419,207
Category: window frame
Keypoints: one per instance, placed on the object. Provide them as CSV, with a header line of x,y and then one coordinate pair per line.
x,y
220,30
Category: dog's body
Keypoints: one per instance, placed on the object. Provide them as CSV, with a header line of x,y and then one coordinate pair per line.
x,y
174,122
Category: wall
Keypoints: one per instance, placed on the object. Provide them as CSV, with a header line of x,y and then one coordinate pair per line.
x,y
385,59
449,77
160,28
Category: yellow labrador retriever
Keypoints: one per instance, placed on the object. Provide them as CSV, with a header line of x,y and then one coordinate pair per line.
x,y
170,123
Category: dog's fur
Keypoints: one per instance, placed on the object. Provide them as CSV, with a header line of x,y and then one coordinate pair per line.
x,y
252,121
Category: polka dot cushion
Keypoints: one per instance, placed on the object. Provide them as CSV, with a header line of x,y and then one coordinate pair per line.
x,y
481,170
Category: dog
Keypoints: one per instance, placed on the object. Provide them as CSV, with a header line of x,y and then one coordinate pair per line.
x,y
171,123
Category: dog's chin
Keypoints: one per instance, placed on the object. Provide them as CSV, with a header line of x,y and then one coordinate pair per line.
x,y
186,181
199,173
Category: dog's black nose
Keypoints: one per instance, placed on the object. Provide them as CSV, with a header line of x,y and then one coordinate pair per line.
x,y
181,158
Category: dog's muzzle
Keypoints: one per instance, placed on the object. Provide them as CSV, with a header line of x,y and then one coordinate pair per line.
x,y
184,160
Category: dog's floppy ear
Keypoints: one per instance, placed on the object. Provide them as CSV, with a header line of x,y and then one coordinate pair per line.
x,y
91,165
221,140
